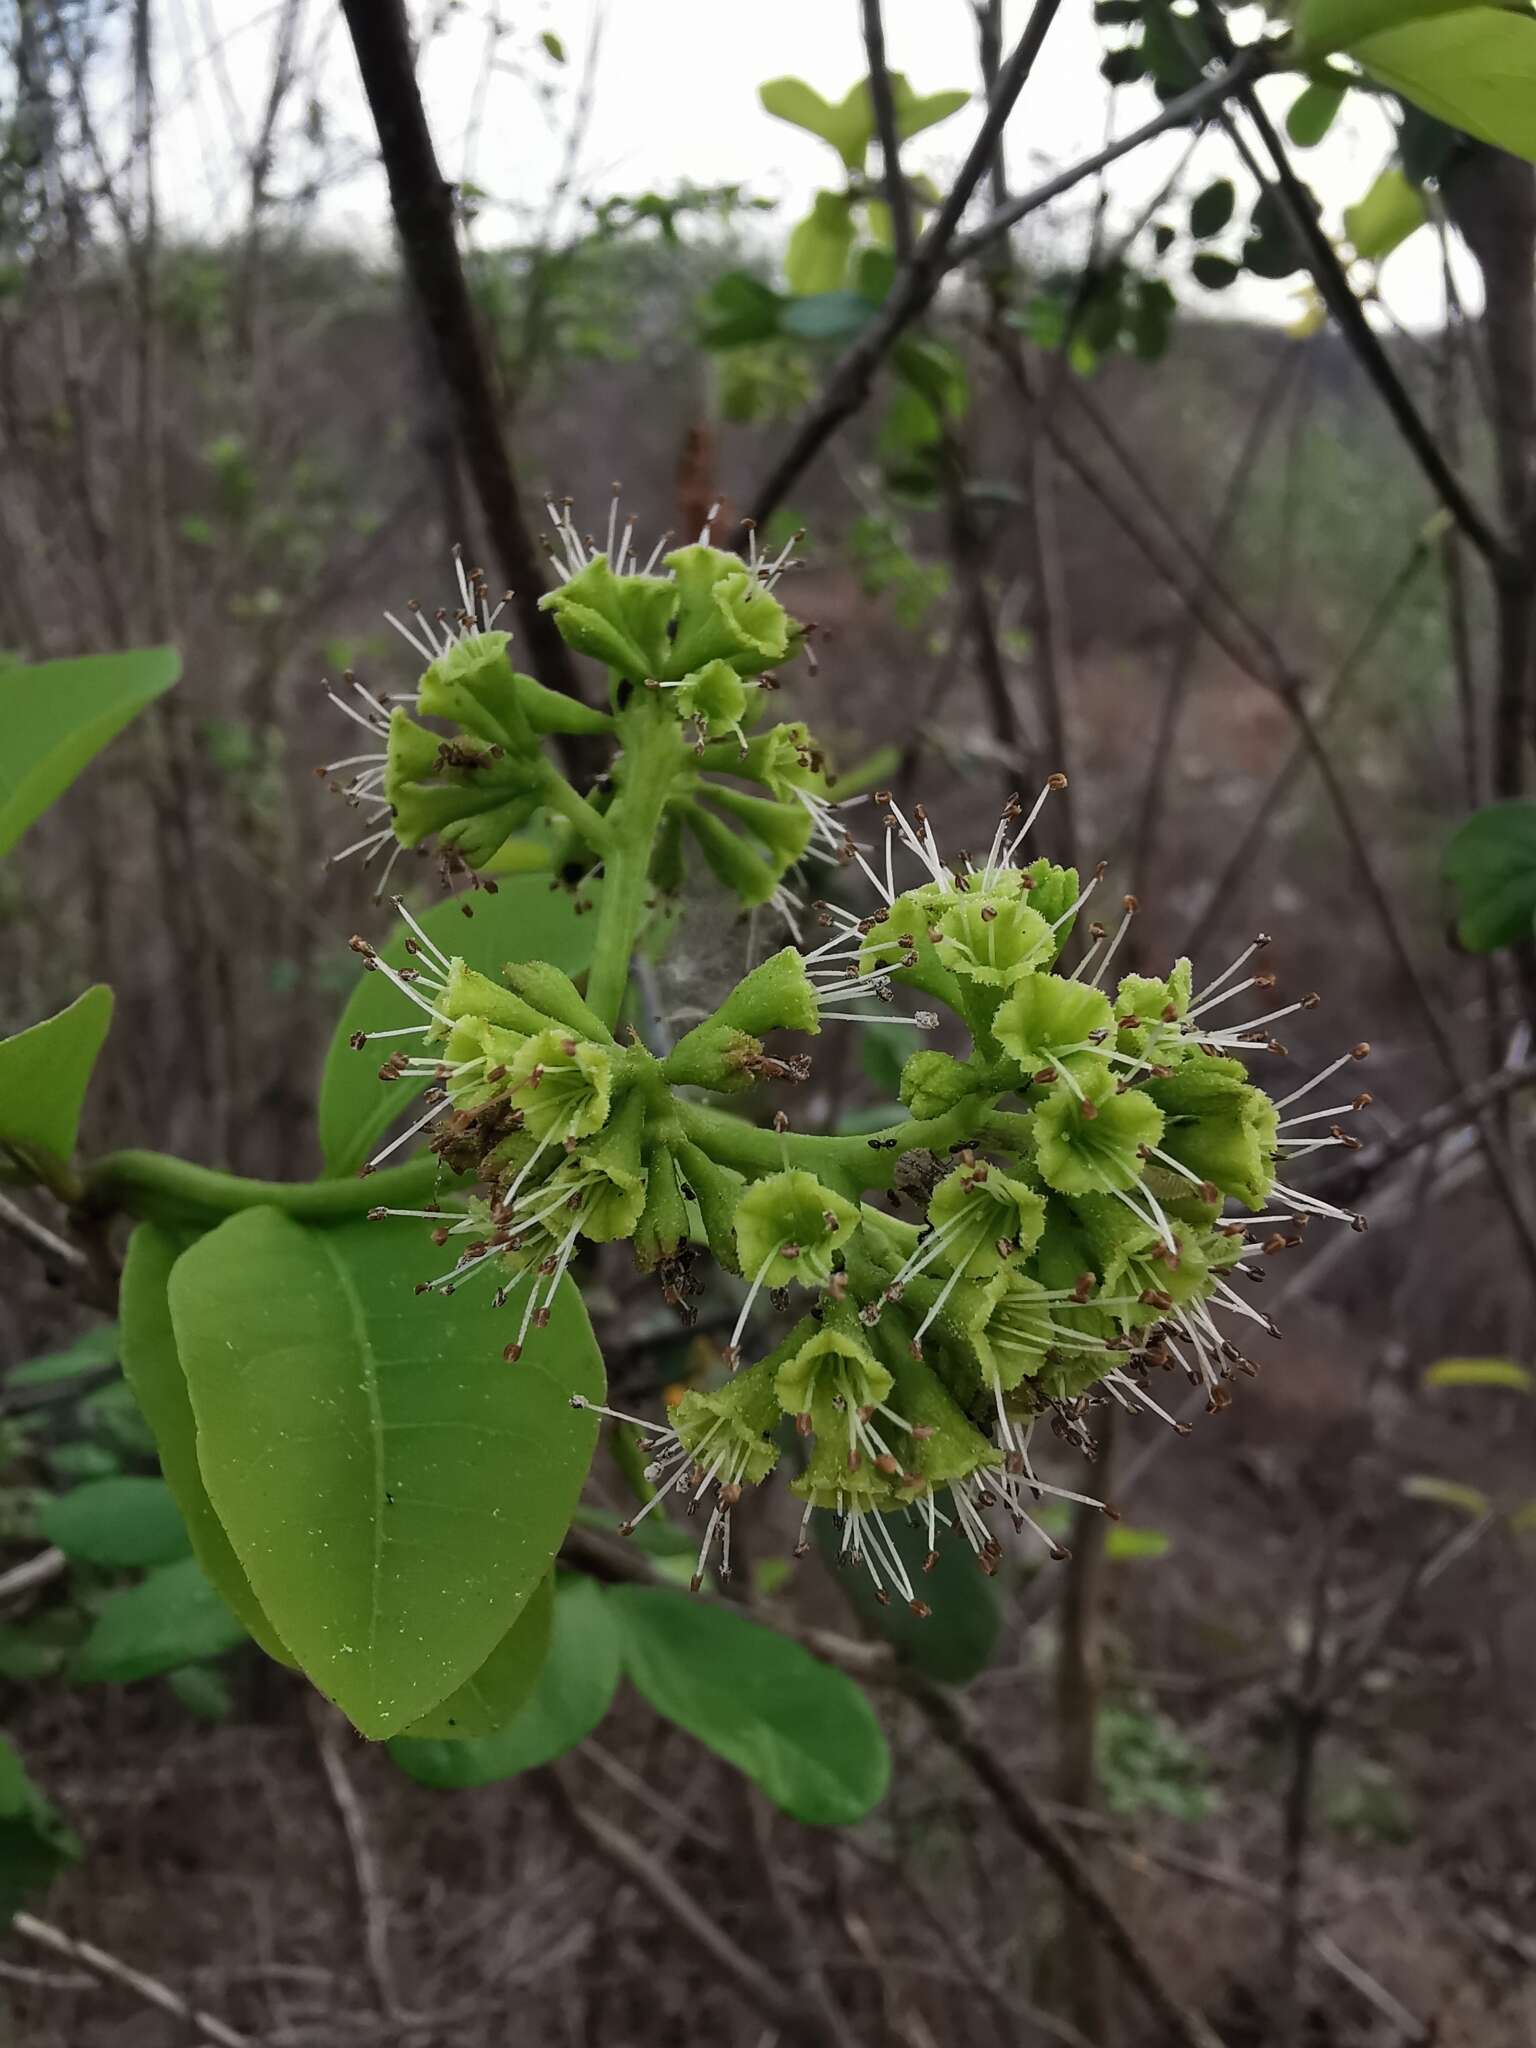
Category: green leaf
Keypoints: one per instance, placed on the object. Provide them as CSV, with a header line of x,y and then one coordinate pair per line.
x,y
491,1696
100,1346
1215,273
1211,209
1475,68
573,1692
848,126
394,1489
825,316
1445,1493
1324,25
44,1073
117,1523
1385,217
553,47
1312,114
524,920
1481,1372
203,1691
801,1731
953,1643
35,1843
55,715
917,111
738,309
153,1369
172,1617
817,257
1491,864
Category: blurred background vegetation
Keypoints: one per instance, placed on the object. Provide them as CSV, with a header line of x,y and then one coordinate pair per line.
x,y
1113,509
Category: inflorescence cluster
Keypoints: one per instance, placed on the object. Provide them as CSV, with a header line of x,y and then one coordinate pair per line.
x,y
1090,1180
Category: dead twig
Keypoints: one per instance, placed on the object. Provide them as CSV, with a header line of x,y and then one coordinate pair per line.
x,y
328,1726
113,1971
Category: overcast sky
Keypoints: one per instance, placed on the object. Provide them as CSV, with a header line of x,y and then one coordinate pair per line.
x,y
675,98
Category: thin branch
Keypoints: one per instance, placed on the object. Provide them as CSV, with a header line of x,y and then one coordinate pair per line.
x,y
915,284
328,1727
41,1570
1198,100
1020,1811
1259,815
630,1857
423,205
897,197
1186,644
149,1989
39,1237
1347,1182
1338,295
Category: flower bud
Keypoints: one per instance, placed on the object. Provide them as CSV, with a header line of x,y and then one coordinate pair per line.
x,y
778,995
662,1230
933,1082
713,1055
717,1190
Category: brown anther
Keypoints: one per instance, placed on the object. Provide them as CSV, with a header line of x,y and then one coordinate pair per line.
x,y
920,1608
1083,1286
780,1122
1058,781
1089,1110
512,1354
1312,1001
729,1494
1358,1223
1360,1051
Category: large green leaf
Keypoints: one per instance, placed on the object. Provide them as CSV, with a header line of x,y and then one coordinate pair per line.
x,y
44,1073
117,1523
1387,215
801,1731
956,1640
1491,864
56,715
394,1490
1323,25
1475,68
816,259
173,1617
525,920
35,1843
490,1697
574,1691
154,1372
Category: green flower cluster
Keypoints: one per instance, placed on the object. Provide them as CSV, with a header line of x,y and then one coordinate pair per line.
x,y
1074,1174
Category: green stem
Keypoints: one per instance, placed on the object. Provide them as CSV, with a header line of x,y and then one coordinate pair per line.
x,y
588,821
155,1185
653,755
869,1158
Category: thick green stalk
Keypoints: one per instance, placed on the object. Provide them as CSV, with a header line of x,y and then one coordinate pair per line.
x,y
868,1159
653,757
571,805
153,1184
